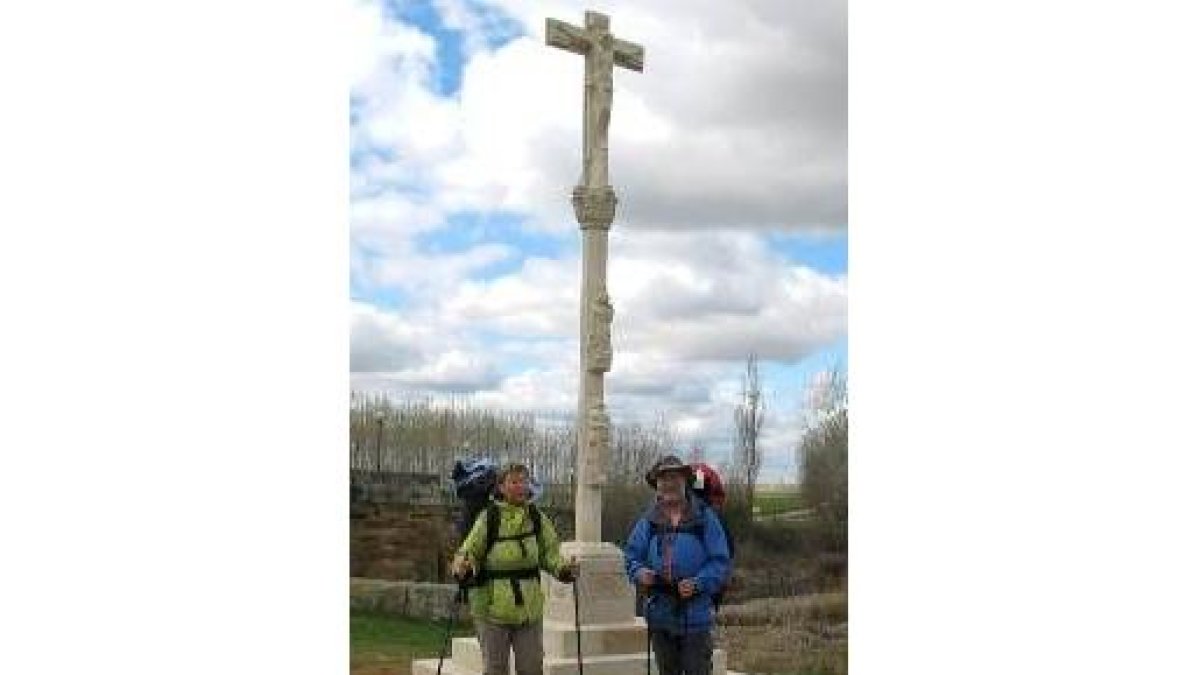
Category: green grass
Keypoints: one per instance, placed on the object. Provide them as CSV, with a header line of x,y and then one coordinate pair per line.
x,y
387,644
770,503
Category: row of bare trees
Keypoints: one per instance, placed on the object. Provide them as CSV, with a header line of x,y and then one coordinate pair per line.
x,y
390,440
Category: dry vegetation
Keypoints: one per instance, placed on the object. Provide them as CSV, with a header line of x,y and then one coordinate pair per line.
x,y
805,634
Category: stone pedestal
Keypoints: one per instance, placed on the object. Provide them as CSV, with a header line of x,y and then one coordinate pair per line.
x,y
611,637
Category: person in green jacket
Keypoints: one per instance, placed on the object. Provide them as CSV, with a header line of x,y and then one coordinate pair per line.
x,y
506,592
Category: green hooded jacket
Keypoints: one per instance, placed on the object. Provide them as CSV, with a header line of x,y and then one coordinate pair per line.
x,y
494,600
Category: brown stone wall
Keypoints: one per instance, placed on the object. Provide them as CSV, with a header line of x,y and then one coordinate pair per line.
x,y
403,529
401,541
406,598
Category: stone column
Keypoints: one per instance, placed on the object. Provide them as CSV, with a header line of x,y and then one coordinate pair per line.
x,y
594,210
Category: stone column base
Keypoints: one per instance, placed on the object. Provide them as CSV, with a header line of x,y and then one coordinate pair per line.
x,y
611,637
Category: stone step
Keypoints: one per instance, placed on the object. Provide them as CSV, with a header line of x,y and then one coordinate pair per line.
x,y
612,664
466,653
466,658
559,642
627,637
430,667
618,664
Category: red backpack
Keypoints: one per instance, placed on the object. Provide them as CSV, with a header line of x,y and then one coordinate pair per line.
x,y
707,485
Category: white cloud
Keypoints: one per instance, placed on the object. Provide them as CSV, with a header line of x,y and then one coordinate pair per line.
x,y
416,351
715,297
736,128
454,370
738,120
551,389
541,298
721,296
383,48
381,343
435,275
390,220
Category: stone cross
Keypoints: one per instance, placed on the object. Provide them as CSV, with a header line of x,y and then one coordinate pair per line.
x,y
595,206
599,633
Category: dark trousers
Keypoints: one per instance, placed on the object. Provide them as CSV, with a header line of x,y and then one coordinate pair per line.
x,y
689,654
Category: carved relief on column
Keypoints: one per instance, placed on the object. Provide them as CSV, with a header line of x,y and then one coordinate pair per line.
x,y
598,445
595,207
599,345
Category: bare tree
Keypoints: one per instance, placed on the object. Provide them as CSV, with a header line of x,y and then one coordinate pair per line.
x,y
826,396
748,419
822,456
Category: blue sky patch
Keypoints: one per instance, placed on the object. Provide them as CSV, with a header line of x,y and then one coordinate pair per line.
x,y
824,253
498,30
391,299
785,385
467,230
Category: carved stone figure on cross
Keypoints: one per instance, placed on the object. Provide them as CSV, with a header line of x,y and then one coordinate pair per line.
x,y
598,437
599,348
601,52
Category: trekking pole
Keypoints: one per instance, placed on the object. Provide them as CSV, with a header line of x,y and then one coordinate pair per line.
x,y
578,637
685,620
646,616
458,595
696,587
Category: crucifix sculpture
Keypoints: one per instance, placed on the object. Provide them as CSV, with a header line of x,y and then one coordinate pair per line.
x,y
595,205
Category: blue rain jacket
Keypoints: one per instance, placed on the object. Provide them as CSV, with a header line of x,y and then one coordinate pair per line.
x,y
696,548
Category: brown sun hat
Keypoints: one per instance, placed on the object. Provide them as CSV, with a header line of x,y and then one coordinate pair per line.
x,y
670,463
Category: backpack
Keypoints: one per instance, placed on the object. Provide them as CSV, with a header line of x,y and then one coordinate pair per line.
x,y
474,484
708,487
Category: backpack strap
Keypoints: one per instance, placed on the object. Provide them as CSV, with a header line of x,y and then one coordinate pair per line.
x,y
493,536
695,527
537,522
493,529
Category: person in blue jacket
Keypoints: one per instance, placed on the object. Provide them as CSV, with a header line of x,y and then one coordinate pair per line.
x,y
678,554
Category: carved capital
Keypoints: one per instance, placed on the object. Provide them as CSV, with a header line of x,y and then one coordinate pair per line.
x,y
595,207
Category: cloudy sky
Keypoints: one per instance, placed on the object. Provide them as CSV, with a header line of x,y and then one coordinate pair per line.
x,y
728,155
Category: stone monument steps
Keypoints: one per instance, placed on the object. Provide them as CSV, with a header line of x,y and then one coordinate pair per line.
x,y
466,658
430,667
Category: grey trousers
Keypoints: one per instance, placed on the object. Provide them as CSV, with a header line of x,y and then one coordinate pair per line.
x,y
496,639
689,654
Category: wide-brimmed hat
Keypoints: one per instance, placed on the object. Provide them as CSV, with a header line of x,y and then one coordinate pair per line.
x,y
670,463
